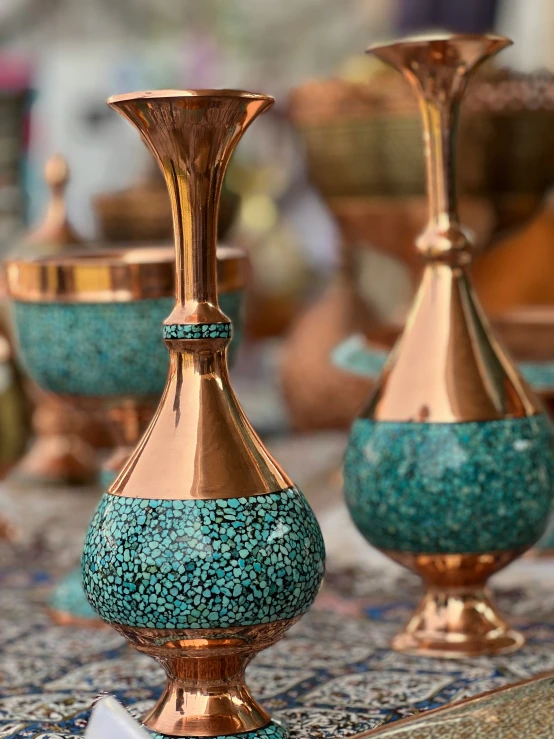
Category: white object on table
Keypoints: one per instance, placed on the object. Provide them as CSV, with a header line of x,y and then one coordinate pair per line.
x,y
110,719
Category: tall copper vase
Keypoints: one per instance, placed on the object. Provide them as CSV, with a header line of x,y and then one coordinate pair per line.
x,y
448,468
202,552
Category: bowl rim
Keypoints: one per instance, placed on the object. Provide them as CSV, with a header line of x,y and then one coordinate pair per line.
x,y
111,275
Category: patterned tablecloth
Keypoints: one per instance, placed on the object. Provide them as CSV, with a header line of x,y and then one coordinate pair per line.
x,y
332,676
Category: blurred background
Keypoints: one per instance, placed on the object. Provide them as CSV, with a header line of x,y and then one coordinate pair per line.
x,y
326,192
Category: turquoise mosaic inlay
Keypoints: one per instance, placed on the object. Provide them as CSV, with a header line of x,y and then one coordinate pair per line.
x,y
450,488
102,349
69,597
274,730
197,331
200,564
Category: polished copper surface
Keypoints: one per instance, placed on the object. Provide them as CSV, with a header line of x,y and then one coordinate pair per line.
x,y
205,694
192,134
456,617
199,444
447,367
112,275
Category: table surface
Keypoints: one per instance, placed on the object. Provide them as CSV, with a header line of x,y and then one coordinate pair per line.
x,y
331,676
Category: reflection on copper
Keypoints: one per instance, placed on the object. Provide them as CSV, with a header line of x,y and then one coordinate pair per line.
x,y
205,694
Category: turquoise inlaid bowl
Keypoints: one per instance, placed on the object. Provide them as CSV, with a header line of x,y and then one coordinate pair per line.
x,y
450,488
103,349
172,564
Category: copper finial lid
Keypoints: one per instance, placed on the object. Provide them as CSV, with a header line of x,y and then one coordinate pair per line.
x,y
55,231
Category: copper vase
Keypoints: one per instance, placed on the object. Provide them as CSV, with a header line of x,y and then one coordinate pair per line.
x,y
202,552
448,468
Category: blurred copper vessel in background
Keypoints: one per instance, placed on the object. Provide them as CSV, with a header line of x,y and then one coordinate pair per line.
x,y
63,450
141,214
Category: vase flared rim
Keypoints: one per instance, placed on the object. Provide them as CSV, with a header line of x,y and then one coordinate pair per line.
x,y
438,37
102,275
179,94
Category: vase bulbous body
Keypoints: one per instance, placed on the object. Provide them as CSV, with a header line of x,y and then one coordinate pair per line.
x,y
449,468
202,552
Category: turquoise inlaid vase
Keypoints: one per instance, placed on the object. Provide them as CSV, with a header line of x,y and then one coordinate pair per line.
x,y
450,467
202,552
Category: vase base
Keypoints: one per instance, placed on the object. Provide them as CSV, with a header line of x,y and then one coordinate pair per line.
x,y
455,624
273,730
429,645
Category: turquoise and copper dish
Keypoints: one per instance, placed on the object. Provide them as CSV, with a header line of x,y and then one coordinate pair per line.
x,y
88,325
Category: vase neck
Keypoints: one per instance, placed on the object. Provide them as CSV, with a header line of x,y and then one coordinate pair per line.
x,y
438,70
192,135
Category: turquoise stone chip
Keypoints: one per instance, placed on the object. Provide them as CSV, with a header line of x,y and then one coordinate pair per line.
x,y
450,488
103,349
273,730
183,564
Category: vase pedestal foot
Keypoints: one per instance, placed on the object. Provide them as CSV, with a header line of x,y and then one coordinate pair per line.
x,y
460,622
205,694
